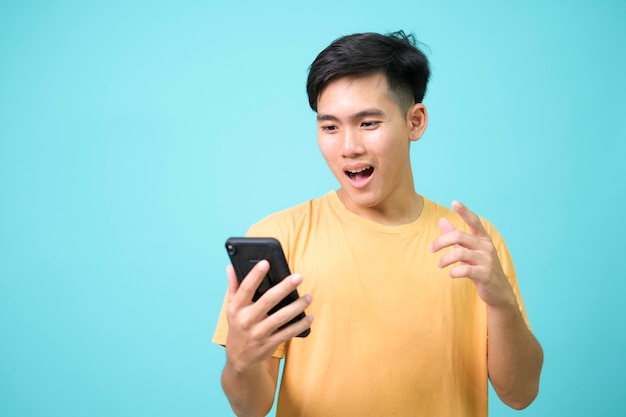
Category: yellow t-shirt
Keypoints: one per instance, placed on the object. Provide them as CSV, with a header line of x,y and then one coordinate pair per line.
x,y
393,335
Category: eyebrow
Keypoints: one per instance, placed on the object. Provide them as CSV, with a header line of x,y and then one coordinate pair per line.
x,y
359,115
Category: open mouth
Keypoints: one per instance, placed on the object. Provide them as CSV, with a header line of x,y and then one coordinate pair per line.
x,y
360,174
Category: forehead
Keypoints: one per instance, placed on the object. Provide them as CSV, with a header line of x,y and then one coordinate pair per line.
x,y
351,92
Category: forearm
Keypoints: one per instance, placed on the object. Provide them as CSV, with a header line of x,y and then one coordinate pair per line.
x,y
250,392
515,357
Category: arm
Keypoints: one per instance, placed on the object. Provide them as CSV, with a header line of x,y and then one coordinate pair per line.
x,y
250,374
251,392
515,357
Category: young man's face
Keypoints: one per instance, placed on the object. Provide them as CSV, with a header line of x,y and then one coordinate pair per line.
x,y
364,137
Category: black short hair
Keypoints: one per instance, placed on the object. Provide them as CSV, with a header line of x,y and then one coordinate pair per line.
x,y
394,55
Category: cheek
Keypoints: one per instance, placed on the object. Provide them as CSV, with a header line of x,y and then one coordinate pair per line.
x,y
324,148
390,152
382,146
327,148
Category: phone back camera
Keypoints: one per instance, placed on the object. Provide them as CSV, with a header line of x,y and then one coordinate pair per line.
x,y
231,249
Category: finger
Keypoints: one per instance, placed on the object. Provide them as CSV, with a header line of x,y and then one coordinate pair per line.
x,y
270,324
470,218
462,271
233,283
251,282
476,273
278,292
455,238
445,226
460,255
294,329
289,312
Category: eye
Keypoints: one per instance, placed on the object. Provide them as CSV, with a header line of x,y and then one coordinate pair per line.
x,y
328,128
370,124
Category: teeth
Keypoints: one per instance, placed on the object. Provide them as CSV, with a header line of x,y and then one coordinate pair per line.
x,y
358,170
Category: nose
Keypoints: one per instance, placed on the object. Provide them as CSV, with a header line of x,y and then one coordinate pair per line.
x,y
352,144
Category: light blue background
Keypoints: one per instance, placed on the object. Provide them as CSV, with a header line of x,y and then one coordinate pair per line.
x,y
135,137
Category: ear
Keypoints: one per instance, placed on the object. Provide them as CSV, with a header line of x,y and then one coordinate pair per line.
x,y
417,117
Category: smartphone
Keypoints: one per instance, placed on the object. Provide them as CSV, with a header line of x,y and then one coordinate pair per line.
x,y
245,252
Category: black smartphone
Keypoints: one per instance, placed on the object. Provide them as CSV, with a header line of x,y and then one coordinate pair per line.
x,y
245,252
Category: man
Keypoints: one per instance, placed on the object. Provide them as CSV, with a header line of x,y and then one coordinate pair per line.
x,y
416,305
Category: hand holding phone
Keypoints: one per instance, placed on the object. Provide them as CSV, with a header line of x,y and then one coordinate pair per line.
x,y
246,252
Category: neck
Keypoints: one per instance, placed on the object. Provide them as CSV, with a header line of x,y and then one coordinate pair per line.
x,y
395,213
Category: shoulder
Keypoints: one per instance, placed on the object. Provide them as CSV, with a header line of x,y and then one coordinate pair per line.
x,y
287,221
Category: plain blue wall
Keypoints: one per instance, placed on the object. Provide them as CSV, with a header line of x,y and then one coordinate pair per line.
x,y
136,136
